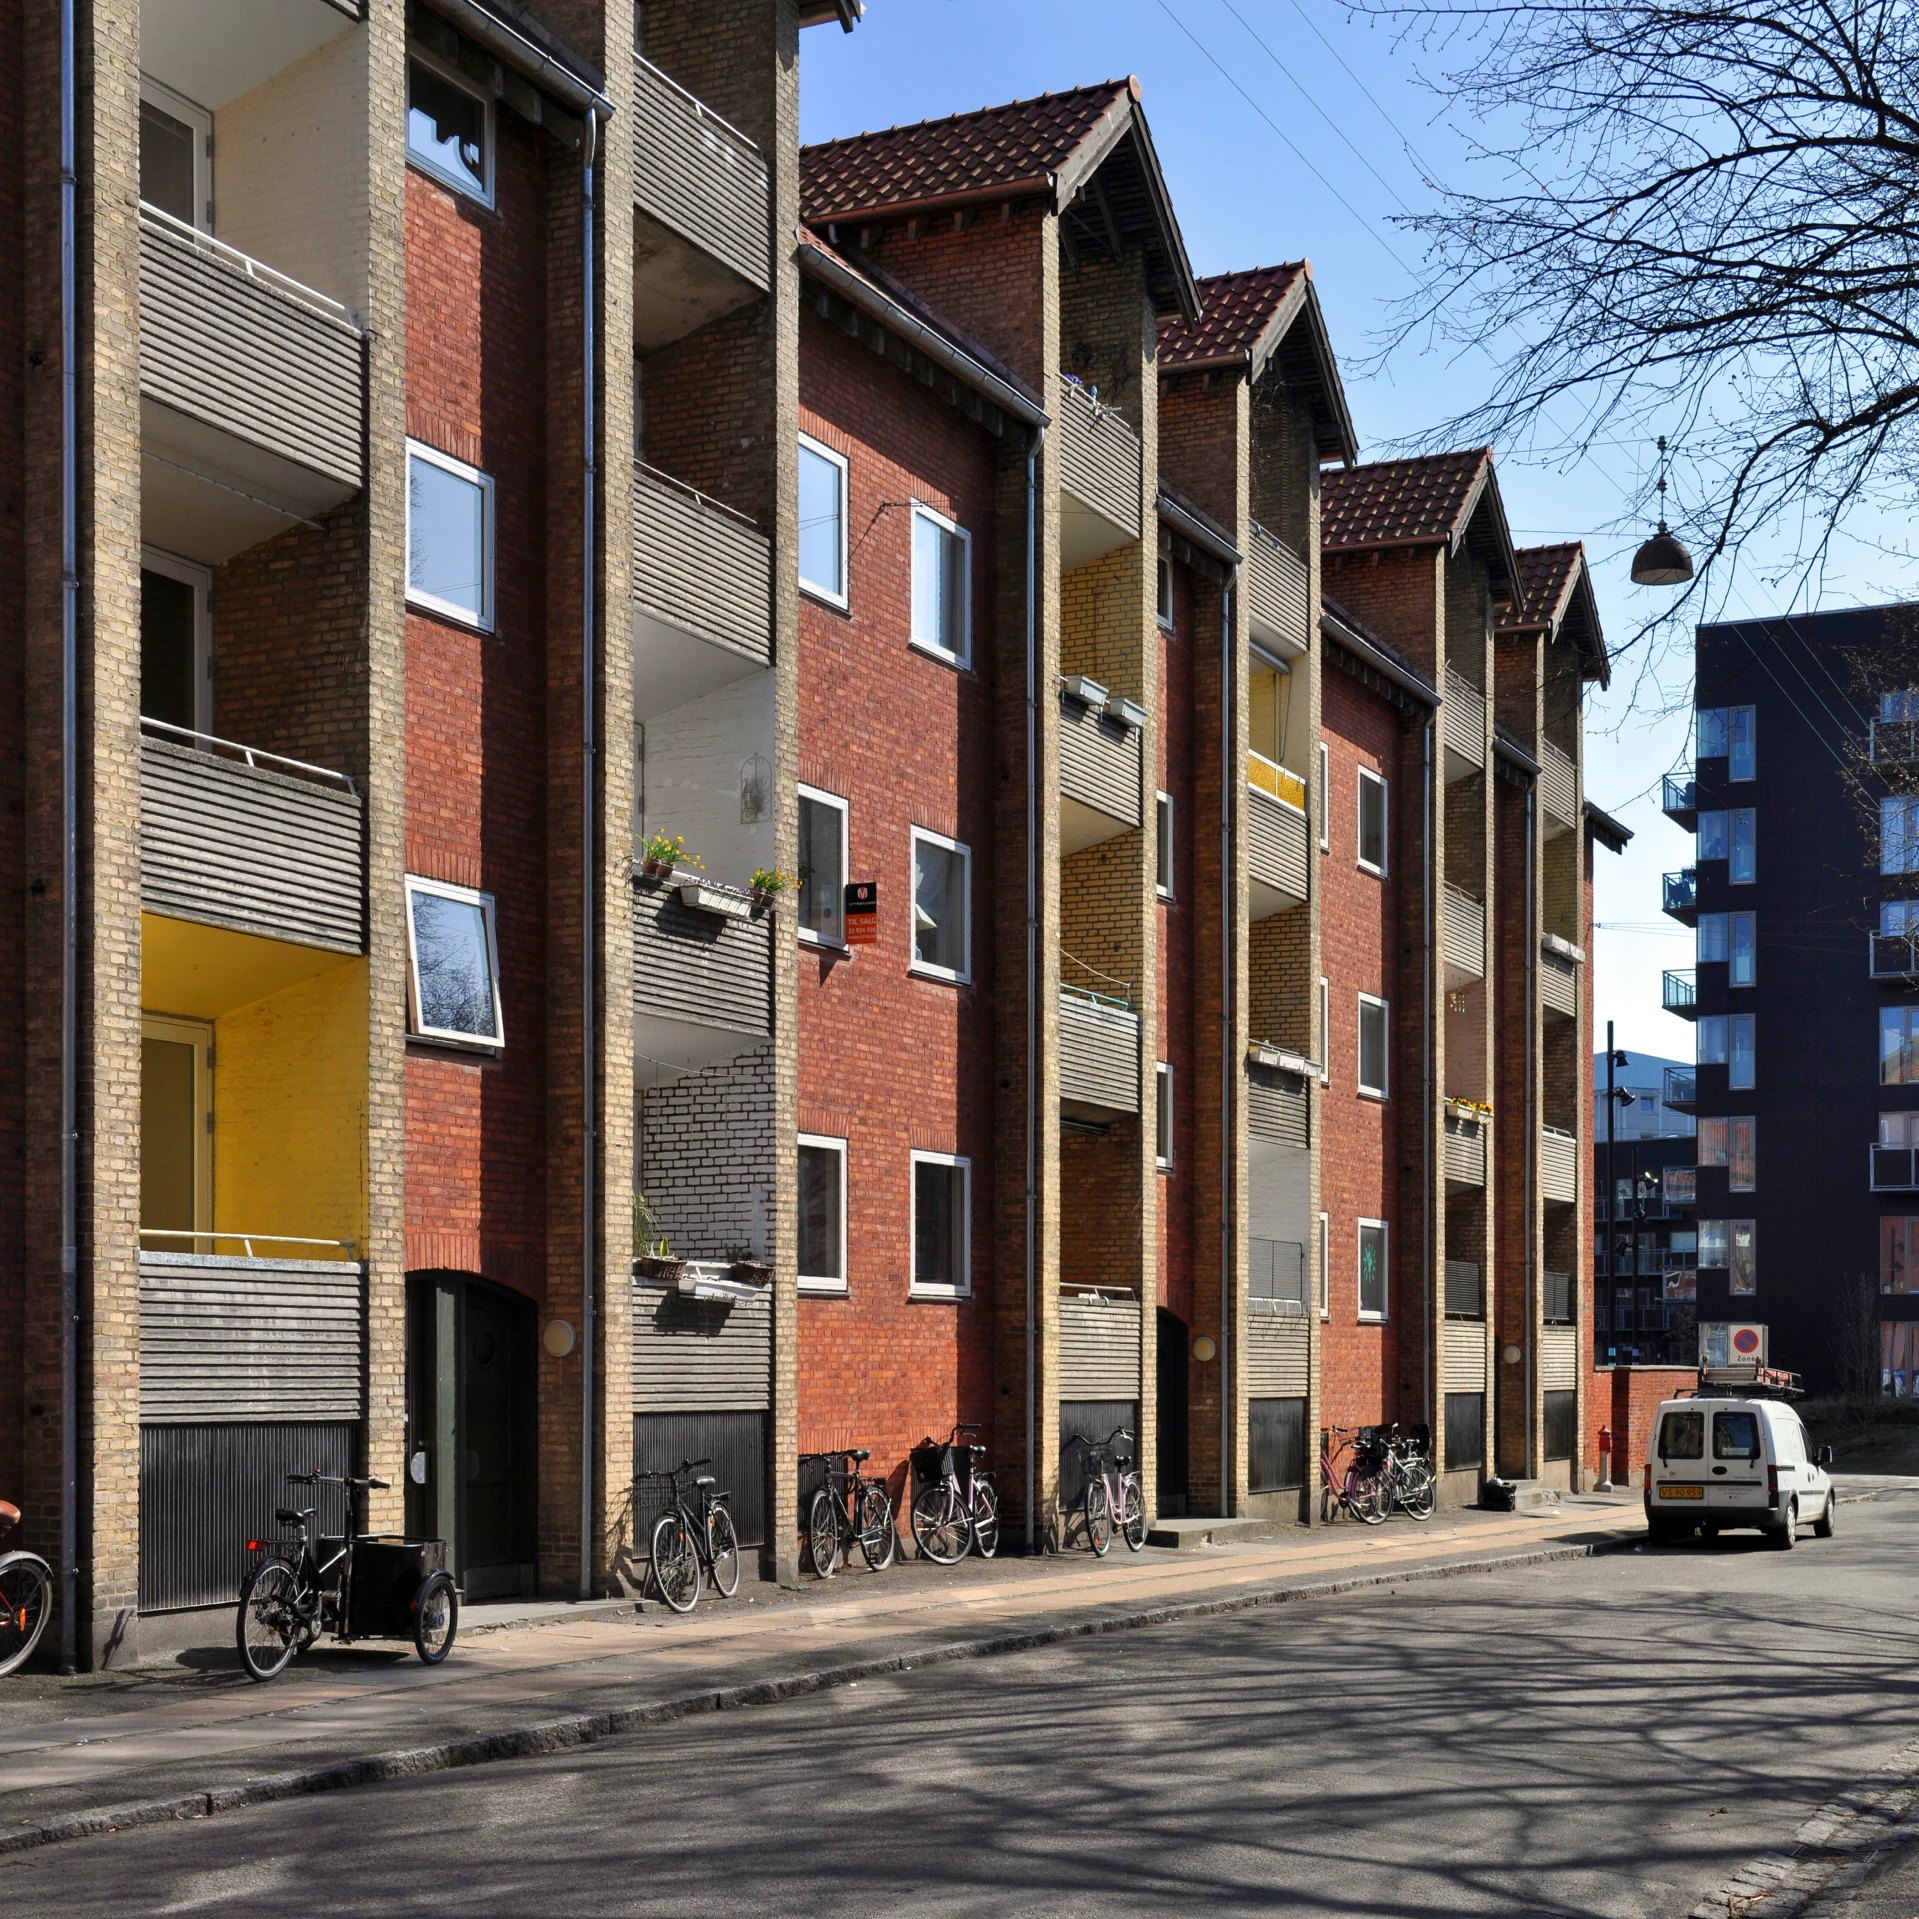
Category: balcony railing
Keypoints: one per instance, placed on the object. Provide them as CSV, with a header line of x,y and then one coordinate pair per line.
x,y
1556,1298
1681,1088
1101,769
1463,937
1276,1275
1679,800
701,568
1277,855
702,976
1465,1290
1893,955
1682,895
1466,1142
1558,784
1098,1051
1464,713
1558,1165
1558,982
1279,1107
1278,593
1280,782
1100,466
1678,993
1895,1169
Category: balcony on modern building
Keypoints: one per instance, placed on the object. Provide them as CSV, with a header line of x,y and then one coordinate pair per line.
x,y
1894,1169
1276,837
703,212
1679,1187
1098,1055
1558,1165
1893,956
702,974
1101,764
1682,895
1462,937
1681,1089
1468,1137
1679,800
1559,964
1101,477
1558,788
1892,742
1679,993
1464,717
1465,1290
1278,595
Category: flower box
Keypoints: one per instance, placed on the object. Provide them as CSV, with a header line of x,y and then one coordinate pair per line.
x,y
707,896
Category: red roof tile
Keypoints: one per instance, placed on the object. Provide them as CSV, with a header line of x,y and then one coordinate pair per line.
x,y
1235,309
1546,577
994,148
1401,502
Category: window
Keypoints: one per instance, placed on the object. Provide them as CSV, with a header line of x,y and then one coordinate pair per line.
x,y
1372,1269
1372,821
1325,797
1165,594
1899,833
1733,939
1729,1243
1899,1046
941,1226
1743,857
1899,1129
176,642
1325,1266
449,536
449,130
822,867
454,964
1556,1299
176,150
1713,1242
1710,839
942,935
1325,1033
822,1214
1163,844
176,1134
941,586
1741,1155
1163,1116
1729,733
1372,1045
1682,1436
823,521
1735,1436
1898,1241
1899,917
1726,1039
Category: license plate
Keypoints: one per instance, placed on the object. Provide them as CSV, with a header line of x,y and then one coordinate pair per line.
x,y
1682,1492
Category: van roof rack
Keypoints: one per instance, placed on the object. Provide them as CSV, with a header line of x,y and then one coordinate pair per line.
x,y
1750,1381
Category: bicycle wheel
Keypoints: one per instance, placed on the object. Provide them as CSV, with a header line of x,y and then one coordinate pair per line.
x,y
985,1518
1368,1497
1096,1513
436,1618
723,1542
1132,1521
268,1627
1422,1490
676,1563
823,1550
939,1524
26,1601
878,1537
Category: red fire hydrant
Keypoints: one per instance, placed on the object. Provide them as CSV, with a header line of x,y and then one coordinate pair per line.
x,y
1605,1459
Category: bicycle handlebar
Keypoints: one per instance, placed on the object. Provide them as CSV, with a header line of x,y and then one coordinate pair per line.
x,y
336,1479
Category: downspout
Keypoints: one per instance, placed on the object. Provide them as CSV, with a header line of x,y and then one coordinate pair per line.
x,y
69,875
1033,440
589,877
1228,1062
1532,1139
1426,1071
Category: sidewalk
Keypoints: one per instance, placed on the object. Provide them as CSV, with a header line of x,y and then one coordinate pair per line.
x,y
94,1751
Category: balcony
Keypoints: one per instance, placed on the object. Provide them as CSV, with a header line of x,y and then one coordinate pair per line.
x,y
1464,715
1279,1105
1893,956
703,199
1278,594
1679,801
1101,769
702,595
1679,994
702,976
1894,1169
1681,1089
1276,837
1100,475
1682,896
1558,978
1467,1139
1558,786
1462,937
1098,1055
1556,1298
1465,1290
1679,1186
252,408
1558,1165
1892,742
1276,1276
234,837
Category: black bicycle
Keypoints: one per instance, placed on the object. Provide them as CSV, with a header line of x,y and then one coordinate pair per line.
x,y
849,1507
956,1509
1112,1487
357,1585
694,1537
26,1598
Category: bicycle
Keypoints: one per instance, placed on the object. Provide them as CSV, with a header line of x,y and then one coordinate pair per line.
x,y
693,1537
1406,1477
359,1585
26,1598
1111,1486
849,1507
1358,1488
951,1515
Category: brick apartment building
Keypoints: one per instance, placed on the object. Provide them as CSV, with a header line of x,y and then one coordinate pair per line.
x,y
717,810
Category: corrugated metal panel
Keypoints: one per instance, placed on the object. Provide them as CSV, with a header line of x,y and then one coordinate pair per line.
x,y
1465,1152
1278,1107
1276,1444
1278,1354
698,567
1095,1418
699,966
1558,1165
1558,784
1559,985
736,1444
696,1355
1464,1351
248,358
235,845
246,1339
1278,592
697,175
1098,1054
1276,842
1558,1358
1465,715
1463,933
1100,762
1098,1347
1100,459
205,1490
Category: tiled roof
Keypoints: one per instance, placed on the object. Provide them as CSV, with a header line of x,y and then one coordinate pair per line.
x,y
1401,502
1235,309
1546,576
1009,147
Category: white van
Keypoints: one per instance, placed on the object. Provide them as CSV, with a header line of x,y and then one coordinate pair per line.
x,y
1735,1462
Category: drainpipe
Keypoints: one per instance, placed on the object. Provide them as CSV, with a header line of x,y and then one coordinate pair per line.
x,y
1426,1069
1033,440
1532,1139
1228,1060
589,878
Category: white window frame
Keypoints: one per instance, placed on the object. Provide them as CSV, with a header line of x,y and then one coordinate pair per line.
x,y
811,588
1365,773
1163,1115
1325,1265
1163,594
915,1290
414,884
200,578
808,936
199,1035
189,113
1385,1310
1325,797
489,140
926,969
1359,1052
431,602
1163,824
1325,1031
821,1284
932,648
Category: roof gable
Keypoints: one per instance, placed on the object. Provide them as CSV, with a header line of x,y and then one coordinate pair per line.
x,y
1434,499
1555,597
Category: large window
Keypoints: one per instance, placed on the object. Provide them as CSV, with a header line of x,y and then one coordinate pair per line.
x,y
449,536
1899,833
1731,1143
176,642
1373,1291
1899,1046
1372,821
449,130
1729,1244
176,1133
1374,1033
1726,1039
822,1245
942,935
454,965
942,1225
1163,844
941,586
1730,733
1732,938
822,521
1163,1116
1898,1242
822,866
1733,837
176,150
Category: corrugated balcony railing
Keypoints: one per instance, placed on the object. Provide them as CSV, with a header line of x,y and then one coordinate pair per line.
x,y
1278,592
702,975
1558,785
1466,1143
1681,1089
1100,466
1463,937
1100,774
1277,853
1682,895
1465,1289
1558,983
1279,1107
700,176
1679,800
1895,1169
234,837
1893,956
1098,1051
1464,713
1558,1165
1679,993
701,567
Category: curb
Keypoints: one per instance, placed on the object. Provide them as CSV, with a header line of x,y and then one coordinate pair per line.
x,y
589,1728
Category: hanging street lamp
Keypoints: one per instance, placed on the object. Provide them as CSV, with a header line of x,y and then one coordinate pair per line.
x,y
1664,560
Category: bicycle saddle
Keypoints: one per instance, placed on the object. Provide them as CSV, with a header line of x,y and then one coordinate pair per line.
x,y
858,1452
9,1514
292,1515
704,1479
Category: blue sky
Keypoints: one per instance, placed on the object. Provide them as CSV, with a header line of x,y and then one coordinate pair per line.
x,y
1306,144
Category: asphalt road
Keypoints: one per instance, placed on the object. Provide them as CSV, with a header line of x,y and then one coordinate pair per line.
x,y
1610,1736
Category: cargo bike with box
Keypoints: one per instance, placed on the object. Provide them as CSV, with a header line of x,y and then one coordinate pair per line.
x,y
353,1585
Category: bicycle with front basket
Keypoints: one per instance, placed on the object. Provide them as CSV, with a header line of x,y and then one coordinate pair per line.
x,y
1406,1476
693,1538
956,1509
1112,1486
849,1507
1352,1474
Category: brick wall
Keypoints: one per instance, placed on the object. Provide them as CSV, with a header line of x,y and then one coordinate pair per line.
x,y
705,1159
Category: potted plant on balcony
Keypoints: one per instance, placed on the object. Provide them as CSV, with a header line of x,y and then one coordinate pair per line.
x,y
661,854
747,1270
766,885
652,1255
